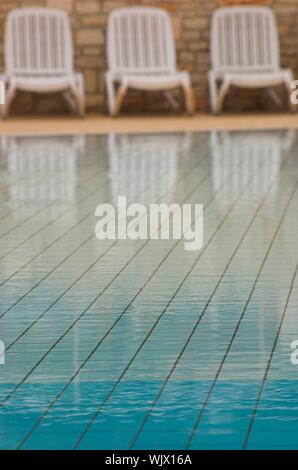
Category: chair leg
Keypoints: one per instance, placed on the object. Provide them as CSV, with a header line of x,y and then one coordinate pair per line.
x,y
221,96
71,103
275,97
81,91
9,96
79,100
189,100
290,87
110,93
119,99
80,105
213,91
2,93
171,100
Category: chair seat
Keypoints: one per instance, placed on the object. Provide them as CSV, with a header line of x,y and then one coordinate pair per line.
x,y
154,81
44,83
261,79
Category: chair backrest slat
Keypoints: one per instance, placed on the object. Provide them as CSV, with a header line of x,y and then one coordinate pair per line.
x,y
38,42
244,38
140,40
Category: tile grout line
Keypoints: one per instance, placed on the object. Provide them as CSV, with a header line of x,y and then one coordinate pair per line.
x,y
82,274
240,319
157,321
121,315
73,206
89,166
205,309
67,210
83,313
259,397
65,259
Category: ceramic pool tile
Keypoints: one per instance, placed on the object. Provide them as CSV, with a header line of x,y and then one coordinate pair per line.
x,y
116,344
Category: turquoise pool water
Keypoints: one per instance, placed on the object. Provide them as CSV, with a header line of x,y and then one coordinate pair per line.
x,y
122,344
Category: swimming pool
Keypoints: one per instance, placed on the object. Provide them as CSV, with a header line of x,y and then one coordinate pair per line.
x,y
122,344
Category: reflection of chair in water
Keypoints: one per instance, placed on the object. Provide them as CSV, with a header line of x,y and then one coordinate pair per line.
x,y
239,156
44,167
143,168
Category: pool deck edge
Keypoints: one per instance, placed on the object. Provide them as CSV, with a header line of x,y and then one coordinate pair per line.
x,y
101,124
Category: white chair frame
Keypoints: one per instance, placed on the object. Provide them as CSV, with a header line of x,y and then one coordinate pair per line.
x,y
141,55
245,52
39,56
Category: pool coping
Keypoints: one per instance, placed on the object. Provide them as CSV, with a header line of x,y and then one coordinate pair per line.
x,y
101,124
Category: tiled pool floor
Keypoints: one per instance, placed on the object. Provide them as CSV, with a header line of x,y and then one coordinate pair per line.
x,y
141,344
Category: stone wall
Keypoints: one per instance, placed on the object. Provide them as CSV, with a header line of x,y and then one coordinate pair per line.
x,y
191,21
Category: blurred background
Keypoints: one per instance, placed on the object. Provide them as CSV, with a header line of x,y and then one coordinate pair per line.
x,y
191,22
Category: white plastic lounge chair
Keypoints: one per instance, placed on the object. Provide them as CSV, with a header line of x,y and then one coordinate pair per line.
x,y
39,56
244,52
141,55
